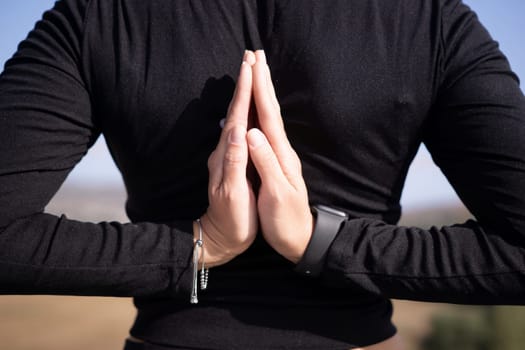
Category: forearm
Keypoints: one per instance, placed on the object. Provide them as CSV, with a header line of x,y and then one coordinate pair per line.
x,y
465,263
45,254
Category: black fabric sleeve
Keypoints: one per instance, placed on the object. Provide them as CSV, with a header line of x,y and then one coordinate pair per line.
x,y
476,136
46,126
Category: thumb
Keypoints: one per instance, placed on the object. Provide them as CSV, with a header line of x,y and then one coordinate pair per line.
x,y
264,158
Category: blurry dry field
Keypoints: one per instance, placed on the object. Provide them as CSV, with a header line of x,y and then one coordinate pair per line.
x,y
82,323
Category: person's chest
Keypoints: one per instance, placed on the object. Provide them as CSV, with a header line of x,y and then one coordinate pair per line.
x,y
353,92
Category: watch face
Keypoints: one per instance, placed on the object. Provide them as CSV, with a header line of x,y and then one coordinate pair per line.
x,y
331,210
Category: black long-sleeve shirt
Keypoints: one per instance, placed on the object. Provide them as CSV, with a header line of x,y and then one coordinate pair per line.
x,y
361,85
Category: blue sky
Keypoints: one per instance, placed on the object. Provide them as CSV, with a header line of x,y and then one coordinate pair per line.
x,y
504,19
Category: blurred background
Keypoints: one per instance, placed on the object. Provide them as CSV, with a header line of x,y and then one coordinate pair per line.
x,y
94,192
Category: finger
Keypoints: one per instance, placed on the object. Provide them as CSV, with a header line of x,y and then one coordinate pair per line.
x,y
238,109
240,103
261,57
271,90
238,113
271,123
248,57
235,158
264,159
268,115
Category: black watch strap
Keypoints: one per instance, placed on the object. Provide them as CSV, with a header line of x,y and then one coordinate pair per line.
x,y
327,224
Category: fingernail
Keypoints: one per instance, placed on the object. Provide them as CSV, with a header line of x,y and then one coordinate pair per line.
x,y
260,56
249,57
255,138
237,135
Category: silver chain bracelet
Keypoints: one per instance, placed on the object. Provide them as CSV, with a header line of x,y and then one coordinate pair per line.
x,y
197,248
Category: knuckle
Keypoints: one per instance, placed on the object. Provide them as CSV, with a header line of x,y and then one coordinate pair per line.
x,y
213,191
212,160
233,158
229,122
277,195
293,159
233,113
230,194
235,116
298,164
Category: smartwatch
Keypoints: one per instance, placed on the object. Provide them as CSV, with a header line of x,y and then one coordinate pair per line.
x,y
327,224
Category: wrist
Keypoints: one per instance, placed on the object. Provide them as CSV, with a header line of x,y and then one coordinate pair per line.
x,y
214,253
301,243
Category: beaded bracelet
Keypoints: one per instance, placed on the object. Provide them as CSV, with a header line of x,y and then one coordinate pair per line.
x,y
204,271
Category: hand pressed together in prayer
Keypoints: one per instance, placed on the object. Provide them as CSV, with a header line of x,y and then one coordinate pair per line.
x,y
281,205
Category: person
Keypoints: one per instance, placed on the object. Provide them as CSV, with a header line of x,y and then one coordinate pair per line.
x,y
331,113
